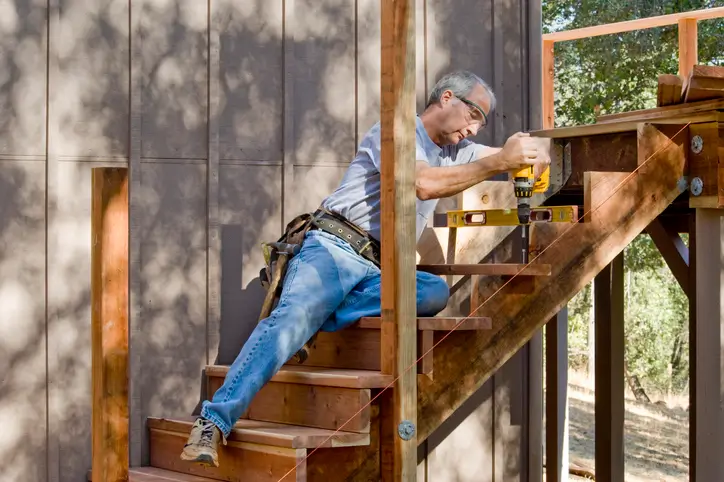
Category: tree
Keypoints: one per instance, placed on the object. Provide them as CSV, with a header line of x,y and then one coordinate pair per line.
x,y
619,72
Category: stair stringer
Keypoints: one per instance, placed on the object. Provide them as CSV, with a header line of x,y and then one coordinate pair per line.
x,y
576,252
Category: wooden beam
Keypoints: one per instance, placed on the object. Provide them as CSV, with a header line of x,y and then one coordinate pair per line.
x,y
576,253
638,24
609,398
680,110
622,126
707,423
549,66
487,269
669,90
399,330
557,398
688,45
673,250
705,165
109,323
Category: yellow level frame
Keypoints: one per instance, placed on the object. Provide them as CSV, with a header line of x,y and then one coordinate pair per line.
x,y
509,217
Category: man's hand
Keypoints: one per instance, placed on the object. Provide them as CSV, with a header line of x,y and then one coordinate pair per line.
x,y
521,151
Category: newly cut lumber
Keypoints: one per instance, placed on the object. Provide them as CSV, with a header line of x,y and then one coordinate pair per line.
x,y
679,110
154,474
703,83
620,126
238,461
109,323
669,90
268,433
487,269
576,253
352,348
330,377
437,323
296,404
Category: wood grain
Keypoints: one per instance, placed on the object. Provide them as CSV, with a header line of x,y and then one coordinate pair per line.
x,y
662,112
576,253
487,269
109,323
331,377
398,219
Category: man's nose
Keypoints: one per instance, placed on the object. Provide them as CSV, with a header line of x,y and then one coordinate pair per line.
x,y
471,130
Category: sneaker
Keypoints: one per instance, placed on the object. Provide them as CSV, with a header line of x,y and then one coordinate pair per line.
x,y
202,443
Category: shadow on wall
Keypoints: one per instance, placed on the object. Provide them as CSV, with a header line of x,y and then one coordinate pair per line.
x,y
327,51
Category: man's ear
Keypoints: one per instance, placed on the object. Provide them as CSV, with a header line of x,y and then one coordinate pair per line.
x,y
446,96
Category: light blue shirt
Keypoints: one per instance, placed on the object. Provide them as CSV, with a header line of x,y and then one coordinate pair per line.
x,y
357,197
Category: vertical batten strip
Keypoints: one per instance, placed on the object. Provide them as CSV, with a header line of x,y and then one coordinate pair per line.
x,y
213,238
289,156
53,391
137,433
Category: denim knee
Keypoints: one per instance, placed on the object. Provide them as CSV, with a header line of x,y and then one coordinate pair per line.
x,y
433,294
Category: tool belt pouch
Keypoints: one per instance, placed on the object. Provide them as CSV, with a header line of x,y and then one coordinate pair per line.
x,y
294,233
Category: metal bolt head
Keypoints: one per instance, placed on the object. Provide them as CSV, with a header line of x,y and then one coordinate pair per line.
x,y
682,184
697,185
406,429
697,144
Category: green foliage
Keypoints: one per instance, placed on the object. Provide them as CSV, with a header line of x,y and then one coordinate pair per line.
x,y
619,72
656,321
616,73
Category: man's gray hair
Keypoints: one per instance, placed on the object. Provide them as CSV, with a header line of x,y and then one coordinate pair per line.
x,y
460,83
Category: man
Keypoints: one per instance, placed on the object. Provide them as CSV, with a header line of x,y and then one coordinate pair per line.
x,y
335,278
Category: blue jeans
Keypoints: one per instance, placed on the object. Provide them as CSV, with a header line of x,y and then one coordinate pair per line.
x,y
327,287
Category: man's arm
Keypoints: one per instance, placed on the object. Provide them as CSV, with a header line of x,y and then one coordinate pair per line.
x,y
438,182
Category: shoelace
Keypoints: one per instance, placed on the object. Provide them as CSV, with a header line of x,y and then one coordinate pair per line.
x,y
207,434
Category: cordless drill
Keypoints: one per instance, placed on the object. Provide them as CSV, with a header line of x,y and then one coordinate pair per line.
x,y
525,185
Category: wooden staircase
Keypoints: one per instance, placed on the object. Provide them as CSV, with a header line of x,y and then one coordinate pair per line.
x,y
324,421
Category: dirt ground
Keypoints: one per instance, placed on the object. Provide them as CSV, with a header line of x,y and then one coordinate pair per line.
x,y
656,436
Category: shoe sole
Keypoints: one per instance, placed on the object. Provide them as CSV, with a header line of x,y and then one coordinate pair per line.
x,y
203,459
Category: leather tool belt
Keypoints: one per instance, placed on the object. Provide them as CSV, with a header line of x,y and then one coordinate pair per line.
x,y
332,223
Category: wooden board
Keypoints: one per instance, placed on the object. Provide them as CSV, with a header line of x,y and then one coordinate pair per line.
x,y
332,377
669,90
321,407
269,434
663,112
109,323
398,204
576,253
352,348
487,269
238,461
703,83
437,323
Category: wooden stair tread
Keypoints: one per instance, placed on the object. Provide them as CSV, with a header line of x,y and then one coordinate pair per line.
x,y
154,474
308,375
435,323
269,433
487,269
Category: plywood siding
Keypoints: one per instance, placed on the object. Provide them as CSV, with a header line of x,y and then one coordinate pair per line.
x,y
233,117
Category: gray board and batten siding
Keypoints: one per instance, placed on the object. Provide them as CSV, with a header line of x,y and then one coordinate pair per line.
x,y
232,122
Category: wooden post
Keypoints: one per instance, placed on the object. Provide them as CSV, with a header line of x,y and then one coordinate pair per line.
x,y
549,109
109,323
707,311
557,398
399,340
609,398
688,46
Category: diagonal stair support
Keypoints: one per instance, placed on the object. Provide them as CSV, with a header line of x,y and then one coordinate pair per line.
x,y
575,252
